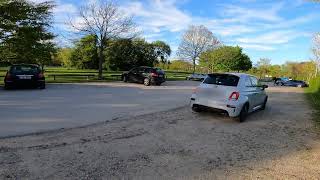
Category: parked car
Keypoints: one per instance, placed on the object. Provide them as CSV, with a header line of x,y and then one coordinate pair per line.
x,y
24,75
296,83
197,77
281,81
235,94
145,75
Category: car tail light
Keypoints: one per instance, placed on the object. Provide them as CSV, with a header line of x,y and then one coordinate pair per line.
x,y
234,96
8,76
41,75
154,75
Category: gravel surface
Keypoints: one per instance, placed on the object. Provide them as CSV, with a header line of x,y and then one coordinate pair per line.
x,y
278,143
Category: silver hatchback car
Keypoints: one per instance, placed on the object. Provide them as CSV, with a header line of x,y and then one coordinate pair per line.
x,y
236,94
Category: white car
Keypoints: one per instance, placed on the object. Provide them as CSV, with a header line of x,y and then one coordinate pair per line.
x,y
197,77
236,94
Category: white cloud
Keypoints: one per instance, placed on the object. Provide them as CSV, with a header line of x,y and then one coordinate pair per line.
x,y
240,14
275,37
159,15
258,47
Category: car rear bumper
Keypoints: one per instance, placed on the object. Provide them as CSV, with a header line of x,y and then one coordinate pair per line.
x,y
232,108
24,83
157,80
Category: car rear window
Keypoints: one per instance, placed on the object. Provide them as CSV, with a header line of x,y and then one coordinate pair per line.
x,y
24,69
155,70
222,79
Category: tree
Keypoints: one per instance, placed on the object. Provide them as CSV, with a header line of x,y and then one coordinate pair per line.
x,y
24,34
196,40
162,50
180,65
225,58
125,54
264,65
106,21
316,51
63,57
85,55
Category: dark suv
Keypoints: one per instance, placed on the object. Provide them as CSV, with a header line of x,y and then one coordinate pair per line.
x,y
145,75
24,75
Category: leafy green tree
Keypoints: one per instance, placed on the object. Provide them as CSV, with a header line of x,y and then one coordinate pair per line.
x,y
163,51
126,53
264,65
225,58
85,53
24,35
180,65
63,57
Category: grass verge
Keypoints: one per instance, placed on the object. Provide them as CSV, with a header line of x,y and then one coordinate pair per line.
x,y
313,95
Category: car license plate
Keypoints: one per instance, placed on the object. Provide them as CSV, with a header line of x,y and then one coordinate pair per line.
x,y
24,77
161,76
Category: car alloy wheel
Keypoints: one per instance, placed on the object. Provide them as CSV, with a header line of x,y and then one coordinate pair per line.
x,y
146,82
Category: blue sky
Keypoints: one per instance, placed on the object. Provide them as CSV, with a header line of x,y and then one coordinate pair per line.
x,y
280,29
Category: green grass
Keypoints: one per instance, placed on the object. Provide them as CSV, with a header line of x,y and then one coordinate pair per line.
x,y
171,75
313,95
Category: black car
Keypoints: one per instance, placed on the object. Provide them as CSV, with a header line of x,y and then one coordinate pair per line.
x,y
24,75
296,83
145,75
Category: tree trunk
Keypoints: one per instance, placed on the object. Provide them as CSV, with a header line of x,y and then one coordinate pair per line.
x,y
100,62
194,65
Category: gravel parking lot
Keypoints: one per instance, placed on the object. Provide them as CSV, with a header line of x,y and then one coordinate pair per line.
x,y
278,143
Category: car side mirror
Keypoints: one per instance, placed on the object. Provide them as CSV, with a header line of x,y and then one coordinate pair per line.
x,y
264,86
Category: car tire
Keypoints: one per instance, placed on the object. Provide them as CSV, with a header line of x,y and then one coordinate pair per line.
x,y
243,114
299,86
196,108
42,86
264,105
146,81
6,87
124,79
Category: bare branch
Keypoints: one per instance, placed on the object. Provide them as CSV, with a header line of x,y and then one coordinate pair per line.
x,y
106,21
195,41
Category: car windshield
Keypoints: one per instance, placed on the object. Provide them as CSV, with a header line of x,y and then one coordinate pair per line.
x,y
24,69
222,79
285,79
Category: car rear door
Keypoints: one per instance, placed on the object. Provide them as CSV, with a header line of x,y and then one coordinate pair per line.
x,y
250,92
259,91
132,75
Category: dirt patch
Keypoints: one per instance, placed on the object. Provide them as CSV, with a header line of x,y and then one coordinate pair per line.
x,y
177,144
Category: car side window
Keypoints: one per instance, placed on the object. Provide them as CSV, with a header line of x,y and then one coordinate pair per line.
x,y
248,82
141,70
148,70
254,81
134,70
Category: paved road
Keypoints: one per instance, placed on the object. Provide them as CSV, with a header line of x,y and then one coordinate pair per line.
x,y
73,105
